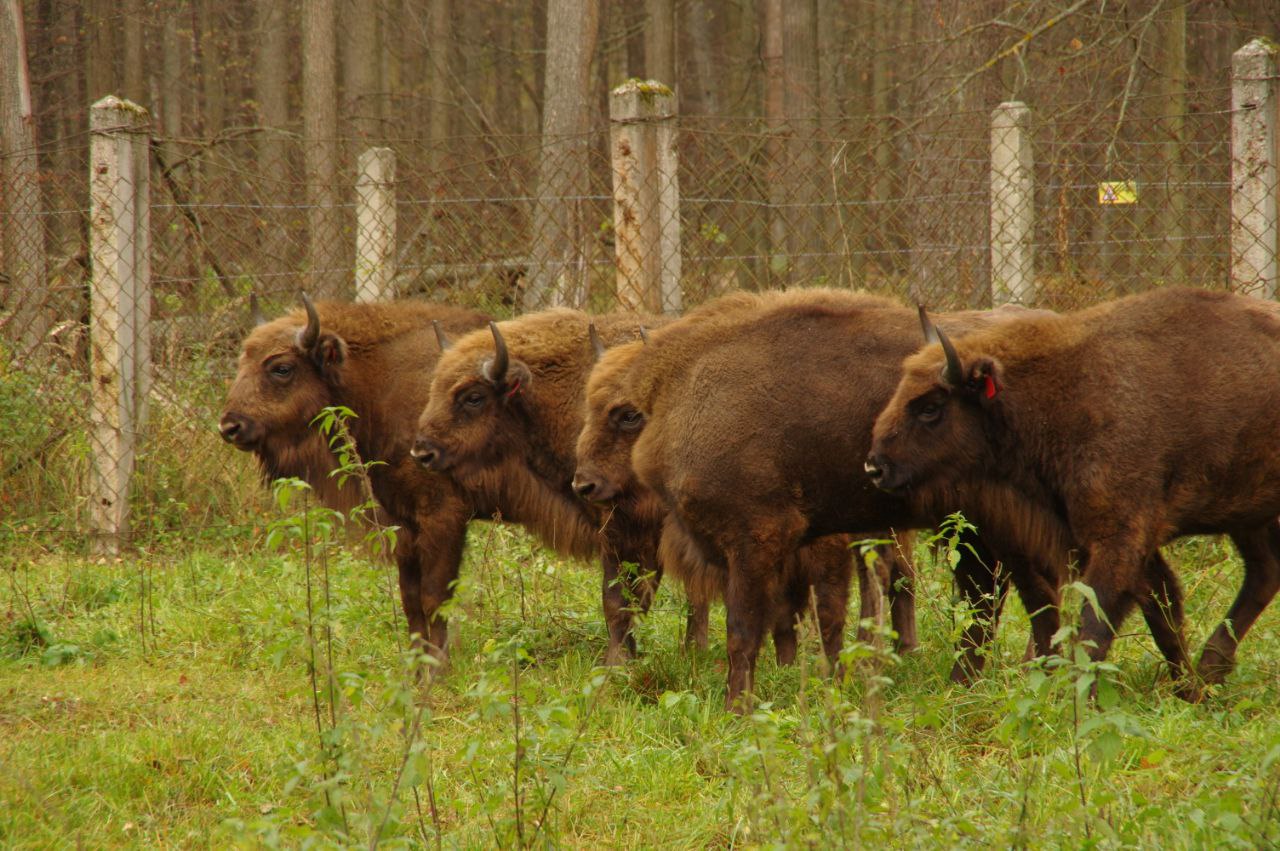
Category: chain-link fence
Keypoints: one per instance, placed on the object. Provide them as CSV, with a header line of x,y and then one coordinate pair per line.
x,y
125,295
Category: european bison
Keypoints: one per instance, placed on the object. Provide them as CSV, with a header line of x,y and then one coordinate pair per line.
x,y
374,359
756,434
504,411
1113,430
611,427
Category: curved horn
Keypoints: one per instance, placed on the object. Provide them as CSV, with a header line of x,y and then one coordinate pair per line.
x,y
441,337
953,374
927,326
307,339
596,345
498,366
644,335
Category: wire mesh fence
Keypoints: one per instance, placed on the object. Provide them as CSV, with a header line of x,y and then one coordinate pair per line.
x,y
126,294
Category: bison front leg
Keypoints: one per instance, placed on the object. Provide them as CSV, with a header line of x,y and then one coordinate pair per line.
x,y
901,590
982,584
1260,550
1115,570
617,611
438,549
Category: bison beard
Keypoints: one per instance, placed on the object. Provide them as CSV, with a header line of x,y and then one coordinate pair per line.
x,y
374,359
1115,430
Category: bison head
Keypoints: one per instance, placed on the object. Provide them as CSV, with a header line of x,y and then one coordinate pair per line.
x,y
475,389
611,427
935,429
286,372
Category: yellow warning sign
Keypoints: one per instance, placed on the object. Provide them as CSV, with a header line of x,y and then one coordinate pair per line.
x,y
1118,192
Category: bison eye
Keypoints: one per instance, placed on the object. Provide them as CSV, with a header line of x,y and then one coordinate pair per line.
x,y
282,370
472,400
929,412
630,420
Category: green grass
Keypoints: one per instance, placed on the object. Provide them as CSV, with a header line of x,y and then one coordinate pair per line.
x,y
164,700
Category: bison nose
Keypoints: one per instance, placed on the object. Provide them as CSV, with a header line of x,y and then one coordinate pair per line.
x,y
235,429
426,453
583,487
874,468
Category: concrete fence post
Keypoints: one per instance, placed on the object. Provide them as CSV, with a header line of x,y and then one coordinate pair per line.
x,y
1255,188
120,308
376,225
1012,206
646,196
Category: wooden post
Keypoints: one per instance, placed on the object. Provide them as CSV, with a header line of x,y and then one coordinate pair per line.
x,y
1012,206
1255,101
646,196
120,308
376,225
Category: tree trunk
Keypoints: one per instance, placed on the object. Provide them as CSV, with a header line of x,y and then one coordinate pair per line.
x,y
1172,126
660,42
134,54
633,18
557,273
360,71
440,102
275,175
26,291
328,273
775,121
807,173
99,27
699,91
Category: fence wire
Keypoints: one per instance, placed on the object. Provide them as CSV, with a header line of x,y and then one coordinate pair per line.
x,y
1076,210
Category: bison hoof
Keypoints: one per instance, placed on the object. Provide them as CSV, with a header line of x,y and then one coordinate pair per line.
x,y
1214,666
965,672
617,655
1189,690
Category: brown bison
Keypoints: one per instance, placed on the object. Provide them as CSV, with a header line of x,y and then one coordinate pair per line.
x,y
611,427
504,411
757,430
374,359
1111,430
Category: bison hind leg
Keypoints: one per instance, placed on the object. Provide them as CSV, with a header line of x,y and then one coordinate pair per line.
x,y
1260,550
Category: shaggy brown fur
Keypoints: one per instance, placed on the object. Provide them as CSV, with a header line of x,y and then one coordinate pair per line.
x,y
611,427
1112,430
375,359
515,433
753,461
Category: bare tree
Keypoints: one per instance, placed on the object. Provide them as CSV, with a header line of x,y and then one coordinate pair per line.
x,y
1172,125
22,248
699,91
660,42
440,38
134,55
320,136
361,60
557,273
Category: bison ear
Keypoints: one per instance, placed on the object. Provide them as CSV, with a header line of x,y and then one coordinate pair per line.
x,y
329,352
984,379
517,381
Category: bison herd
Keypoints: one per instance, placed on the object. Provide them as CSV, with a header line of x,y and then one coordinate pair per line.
x,y
743,447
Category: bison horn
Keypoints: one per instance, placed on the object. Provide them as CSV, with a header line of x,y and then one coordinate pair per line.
x,y
307,339
498,367
596,345
441,337
954,373
644,335
926,325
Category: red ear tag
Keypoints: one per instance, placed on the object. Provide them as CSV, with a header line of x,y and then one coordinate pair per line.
x,y
990,388
515,388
